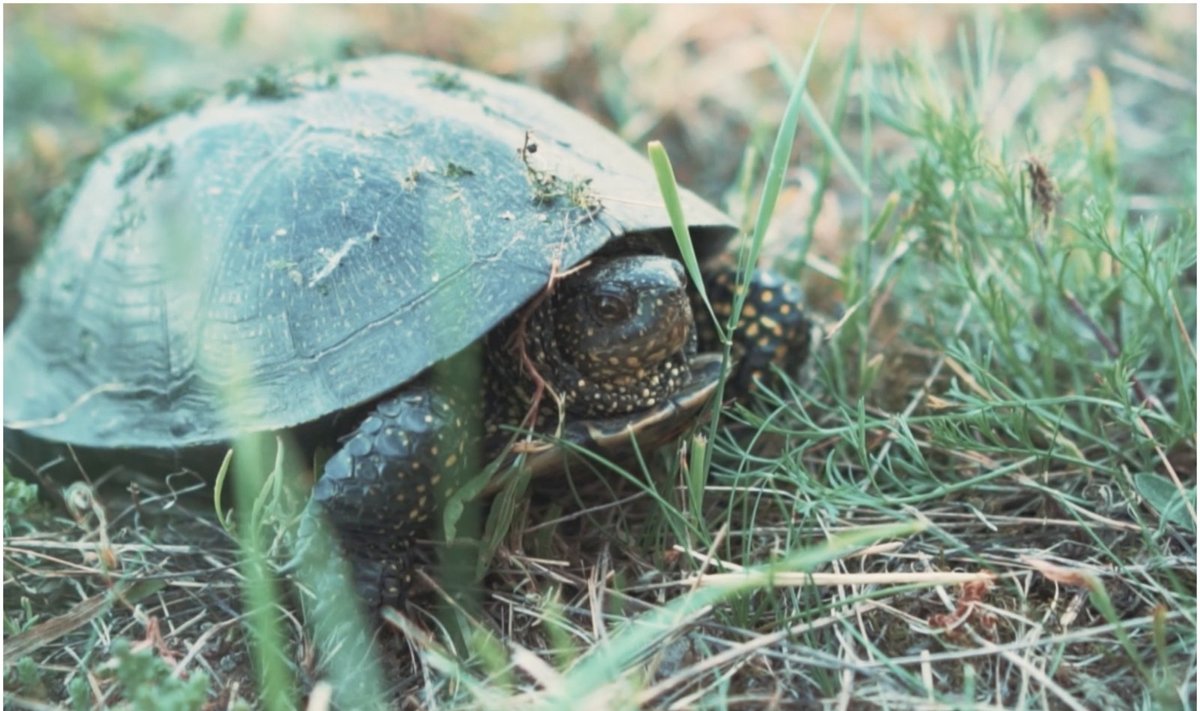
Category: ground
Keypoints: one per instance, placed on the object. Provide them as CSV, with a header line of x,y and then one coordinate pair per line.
x,y
992,210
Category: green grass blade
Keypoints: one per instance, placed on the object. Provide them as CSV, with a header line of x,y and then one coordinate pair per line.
x,y
835,151
781,156
261,595
683,238
748,255
813,115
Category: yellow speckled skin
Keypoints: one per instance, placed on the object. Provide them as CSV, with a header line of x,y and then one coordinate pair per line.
x,y
774,329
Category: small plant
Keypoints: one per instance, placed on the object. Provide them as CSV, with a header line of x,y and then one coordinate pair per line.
x,y
26,679
549,188
143,682
20,501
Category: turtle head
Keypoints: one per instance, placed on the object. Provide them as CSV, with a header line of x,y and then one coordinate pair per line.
x,y
622,329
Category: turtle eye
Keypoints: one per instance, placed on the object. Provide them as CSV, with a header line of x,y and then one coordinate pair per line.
x,y
610,309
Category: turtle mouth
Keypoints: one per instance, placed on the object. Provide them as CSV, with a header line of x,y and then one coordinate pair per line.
x,y
650,427
704,373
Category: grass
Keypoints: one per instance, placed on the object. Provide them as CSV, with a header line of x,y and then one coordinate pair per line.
x,y
1009,365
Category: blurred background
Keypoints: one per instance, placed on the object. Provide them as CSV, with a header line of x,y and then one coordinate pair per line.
x,y
704,80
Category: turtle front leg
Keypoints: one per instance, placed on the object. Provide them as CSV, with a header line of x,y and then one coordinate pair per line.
x,y
773,329
383,487
378,492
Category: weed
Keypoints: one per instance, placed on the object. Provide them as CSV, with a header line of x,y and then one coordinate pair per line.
x,y
143,681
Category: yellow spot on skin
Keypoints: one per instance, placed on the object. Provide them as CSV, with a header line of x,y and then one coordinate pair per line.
x,y
752,330
748,311
420,488
451,460
414,514
436,478
767,296
785,308
433,451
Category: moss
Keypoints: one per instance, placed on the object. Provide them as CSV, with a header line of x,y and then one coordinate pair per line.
x,y
134,164
160,161
267,83
449,82
274,84
163,164
454,170
550,189
148,113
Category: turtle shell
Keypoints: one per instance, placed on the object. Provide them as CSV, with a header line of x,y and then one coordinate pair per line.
x,y
264,262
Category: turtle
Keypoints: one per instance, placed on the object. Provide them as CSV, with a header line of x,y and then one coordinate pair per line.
x,y
340,249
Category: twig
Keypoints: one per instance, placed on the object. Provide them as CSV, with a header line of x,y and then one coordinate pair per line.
x,y
829,579
540,386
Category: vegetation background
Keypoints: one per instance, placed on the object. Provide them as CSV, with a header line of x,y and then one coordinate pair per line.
x,y
999,228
